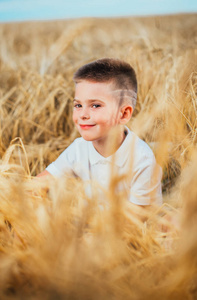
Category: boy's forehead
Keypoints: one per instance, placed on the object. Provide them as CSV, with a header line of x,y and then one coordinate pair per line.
x,y
89,89
95,85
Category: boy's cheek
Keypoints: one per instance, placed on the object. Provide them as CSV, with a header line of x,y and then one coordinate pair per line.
x,y
74,117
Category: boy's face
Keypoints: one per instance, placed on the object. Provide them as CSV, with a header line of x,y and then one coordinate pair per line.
x,y
96,111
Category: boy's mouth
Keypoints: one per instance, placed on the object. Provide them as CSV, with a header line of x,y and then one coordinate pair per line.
x,y
86,126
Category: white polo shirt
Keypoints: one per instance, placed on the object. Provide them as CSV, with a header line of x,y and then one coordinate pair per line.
x,y
134,158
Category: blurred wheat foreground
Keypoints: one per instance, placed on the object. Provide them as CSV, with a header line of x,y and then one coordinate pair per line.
x,y
55,242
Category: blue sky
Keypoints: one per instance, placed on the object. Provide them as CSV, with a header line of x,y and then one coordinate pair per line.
x,y
21,10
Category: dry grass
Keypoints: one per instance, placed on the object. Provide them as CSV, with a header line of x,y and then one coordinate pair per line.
x,y
55,243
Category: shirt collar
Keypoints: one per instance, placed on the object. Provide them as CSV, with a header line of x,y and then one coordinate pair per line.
x,y
121,154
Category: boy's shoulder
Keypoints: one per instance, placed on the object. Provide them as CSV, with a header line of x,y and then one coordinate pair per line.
x,y
78,147
140,146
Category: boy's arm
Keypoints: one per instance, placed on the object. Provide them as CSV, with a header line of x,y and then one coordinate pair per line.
x,y
43,174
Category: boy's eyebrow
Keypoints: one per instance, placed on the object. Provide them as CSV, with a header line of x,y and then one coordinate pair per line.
x,y
89,100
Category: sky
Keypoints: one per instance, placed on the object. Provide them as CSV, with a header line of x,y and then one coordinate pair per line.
x,y
25,10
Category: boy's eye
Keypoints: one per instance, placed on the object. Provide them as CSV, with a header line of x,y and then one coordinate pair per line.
x,y
77,105
96,105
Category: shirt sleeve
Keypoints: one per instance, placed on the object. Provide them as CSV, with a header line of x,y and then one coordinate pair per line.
x,y
64,163
146,183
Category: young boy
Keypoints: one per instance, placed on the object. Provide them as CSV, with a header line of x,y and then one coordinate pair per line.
x,y
105,97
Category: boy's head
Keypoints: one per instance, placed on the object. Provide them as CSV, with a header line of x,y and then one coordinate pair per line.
x,y
119,74
105,96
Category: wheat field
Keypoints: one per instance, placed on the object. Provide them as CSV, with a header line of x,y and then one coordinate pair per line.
x,y
55,242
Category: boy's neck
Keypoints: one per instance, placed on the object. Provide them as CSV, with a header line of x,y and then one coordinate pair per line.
x,y
110,144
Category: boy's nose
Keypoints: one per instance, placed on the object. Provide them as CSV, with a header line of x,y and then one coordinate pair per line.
x,y
84,114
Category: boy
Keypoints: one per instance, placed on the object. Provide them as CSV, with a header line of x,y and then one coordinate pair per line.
x,y
105,96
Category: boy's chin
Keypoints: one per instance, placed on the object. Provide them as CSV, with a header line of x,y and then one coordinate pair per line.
x,y
86,138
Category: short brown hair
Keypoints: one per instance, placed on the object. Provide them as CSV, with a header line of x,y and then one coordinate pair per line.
x,y
120,73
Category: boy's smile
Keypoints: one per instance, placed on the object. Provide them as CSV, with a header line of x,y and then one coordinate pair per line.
x,y
86,127
95,112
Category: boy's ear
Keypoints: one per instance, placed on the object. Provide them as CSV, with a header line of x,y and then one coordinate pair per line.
x,y
126,113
